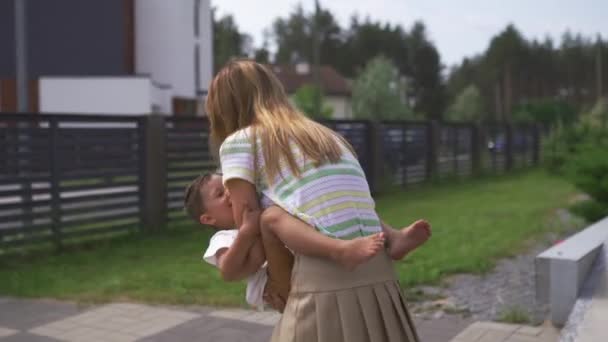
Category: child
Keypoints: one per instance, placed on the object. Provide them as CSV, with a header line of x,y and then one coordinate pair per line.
x,y
207,202
211,205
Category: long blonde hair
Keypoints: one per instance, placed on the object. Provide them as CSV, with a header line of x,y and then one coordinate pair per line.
x,y
245,93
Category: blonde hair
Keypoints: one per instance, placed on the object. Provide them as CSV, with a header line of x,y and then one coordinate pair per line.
x,y
245,93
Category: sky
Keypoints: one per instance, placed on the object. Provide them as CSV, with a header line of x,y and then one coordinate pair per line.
x,y
459,28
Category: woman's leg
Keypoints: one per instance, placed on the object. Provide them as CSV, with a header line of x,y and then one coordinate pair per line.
x,y
301,238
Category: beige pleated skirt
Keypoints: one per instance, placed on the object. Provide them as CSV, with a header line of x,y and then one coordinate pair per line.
x,y
327,303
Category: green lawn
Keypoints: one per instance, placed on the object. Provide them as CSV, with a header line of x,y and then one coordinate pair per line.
x,y
474,223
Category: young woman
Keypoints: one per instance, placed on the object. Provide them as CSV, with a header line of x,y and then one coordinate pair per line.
x,y
271,151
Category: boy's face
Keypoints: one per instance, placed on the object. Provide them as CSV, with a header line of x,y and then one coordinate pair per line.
x,y
218,204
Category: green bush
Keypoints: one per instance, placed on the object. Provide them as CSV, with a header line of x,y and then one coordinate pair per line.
x,y
305,99
590,210
589,171
567,142
580,153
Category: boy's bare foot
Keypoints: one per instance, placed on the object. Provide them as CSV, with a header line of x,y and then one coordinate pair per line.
x,y
408,239
357,251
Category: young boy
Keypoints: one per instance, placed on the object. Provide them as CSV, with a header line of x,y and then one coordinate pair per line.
x,y
208,203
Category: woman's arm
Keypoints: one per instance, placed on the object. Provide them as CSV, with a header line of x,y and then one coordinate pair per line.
x,y
246,255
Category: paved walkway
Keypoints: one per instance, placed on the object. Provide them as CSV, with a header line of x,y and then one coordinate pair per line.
x,y
499,332
48,320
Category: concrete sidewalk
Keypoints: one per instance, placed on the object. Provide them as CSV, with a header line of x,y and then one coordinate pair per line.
x,y
500,332
49,320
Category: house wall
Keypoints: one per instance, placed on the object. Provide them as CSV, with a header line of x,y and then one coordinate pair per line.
x,y
165,43
342,106
67,37
96,95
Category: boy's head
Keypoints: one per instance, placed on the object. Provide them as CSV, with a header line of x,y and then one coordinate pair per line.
x,y
207,202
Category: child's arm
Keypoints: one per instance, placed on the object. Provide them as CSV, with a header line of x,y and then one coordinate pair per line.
x,y
232,271
246,255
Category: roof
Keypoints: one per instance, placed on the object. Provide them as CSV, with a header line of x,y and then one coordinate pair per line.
x,y
332,82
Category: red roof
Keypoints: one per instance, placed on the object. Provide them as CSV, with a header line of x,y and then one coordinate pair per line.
x,y
332,82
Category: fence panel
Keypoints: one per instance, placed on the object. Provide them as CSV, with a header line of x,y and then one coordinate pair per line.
x,y
359,134
68,177
494,153
455,150
405,151
188,156
523,146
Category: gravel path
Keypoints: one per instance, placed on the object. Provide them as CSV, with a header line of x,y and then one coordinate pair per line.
x,y
508,289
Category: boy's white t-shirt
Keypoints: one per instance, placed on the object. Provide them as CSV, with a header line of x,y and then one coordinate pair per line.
x,y
255,283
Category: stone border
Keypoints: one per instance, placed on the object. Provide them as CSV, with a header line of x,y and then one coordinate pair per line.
x,y
588,292
562,269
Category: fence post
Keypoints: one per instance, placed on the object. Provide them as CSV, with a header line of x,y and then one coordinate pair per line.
x,y
375,156
508,146
432,162
55,182
476,146
153,191
536,144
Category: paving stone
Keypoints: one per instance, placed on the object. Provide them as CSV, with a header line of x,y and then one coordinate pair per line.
x,y
495,336
4,332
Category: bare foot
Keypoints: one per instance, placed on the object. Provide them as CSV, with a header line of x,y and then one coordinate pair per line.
x,y
408,239
357,251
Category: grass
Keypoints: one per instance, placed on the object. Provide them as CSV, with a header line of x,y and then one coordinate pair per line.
x,y
474,224
514,315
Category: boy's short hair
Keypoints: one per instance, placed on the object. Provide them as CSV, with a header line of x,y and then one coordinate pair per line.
x,y
193,198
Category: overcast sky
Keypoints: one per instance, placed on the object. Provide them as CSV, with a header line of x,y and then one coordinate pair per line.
x,y
458,28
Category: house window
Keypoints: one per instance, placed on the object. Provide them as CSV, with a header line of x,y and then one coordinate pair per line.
x,y
197,9
197,69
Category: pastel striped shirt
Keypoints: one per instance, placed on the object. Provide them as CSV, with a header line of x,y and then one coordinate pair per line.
x,y
333,198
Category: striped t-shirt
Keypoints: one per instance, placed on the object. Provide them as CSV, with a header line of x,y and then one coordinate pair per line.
x,y
334,198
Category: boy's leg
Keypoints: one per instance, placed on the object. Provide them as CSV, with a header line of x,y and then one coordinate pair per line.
x,y
302,238
401,242
280,263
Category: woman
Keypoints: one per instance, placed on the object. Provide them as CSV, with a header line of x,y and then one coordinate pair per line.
x,y
270,150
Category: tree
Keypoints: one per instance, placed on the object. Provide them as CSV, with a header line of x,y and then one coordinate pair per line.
x,y
515,72
294,37
365,40
228,41
379,93
305,99
468,106
425,64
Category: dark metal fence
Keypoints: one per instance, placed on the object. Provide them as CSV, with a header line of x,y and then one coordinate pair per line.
x,y
67,177
358,133
405,151
187,148
70,177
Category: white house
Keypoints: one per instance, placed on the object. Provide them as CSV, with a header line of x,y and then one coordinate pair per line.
x,y
336,89
112,56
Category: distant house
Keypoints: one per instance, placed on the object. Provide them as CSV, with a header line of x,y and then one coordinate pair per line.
x,y
110,56
336,89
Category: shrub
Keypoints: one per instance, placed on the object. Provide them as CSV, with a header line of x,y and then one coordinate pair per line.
x,y
566,142
590,210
